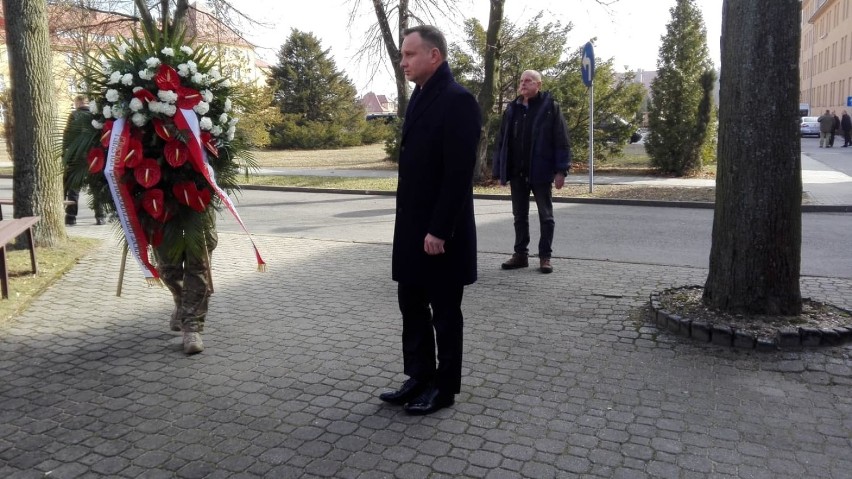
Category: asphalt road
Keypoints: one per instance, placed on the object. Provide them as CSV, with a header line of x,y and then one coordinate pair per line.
x,y
635,234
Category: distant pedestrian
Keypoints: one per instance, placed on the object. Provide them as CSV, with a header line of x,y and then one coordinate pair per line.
x,y
434,239
826,126
846,126
835,129
79,116
532,152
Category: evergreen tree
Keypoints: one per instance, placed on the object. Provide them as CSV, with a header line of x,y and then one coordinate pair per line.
x,y
681,95
317,101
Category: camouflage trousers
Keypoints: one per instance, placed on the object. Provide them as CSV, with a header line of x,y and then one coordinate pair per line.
x,y
190,281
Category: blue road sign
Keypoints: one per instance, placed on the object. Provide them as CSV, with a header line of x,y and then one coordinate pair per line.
x,y
849,101
587,68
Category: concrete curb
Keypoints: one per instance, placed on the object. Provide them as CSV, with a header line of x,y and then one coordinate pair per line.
x,y
722,335
598,201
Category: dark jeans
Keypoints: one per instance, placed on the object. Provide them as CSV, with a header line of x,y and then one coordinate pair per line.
x,y
847,137
521,189
431,313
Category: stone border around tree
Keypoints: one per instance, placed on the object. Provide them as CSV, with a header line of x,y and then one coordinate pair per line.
x,y
785,339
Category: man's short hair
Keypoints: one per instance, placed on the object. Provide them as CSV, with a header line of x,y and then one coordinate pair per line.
x,y
431,36
535,74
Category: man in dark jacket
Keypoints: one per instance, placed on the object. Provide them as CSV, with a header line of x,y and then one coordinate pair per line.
x,y
79,115
434,240
834,129
846,126
532,151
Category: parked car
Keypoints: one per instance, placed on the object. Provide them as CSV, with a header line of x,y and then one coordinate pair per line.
x,y
616,128
809,126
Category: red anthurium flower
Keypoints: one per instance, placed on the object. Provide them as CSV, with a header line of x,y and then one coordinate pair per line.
x,y
95,159
176,153
147,173
145,95
167,78
186,193
106,133
209,143
133,157
187,97
203,200
163,129
153,202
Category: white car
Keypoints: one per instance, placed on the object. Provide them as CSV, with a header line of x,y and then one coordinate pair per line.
x,y
809,126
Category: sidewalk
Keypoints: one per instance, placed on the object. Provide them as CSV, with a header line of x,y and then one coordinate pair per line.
x,y
562,378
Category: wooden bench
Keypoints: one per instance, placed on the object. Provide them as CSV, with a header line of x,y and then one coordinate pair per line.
x,y
9,230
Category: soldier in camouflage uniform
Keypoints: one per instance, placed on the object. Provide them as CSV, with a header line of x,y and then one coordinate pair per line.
x,y
190,281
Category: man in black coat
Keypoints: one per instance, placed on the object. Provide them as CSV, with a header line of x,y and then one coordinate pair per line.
x,y
846,126
434,241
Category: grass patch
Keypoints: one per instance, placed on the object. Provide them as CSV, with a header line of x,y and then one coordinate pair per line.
x,y
24,287
706,194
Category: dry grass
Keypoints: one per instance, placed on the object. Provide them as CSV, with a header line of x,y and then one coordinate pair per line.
x,y
368,157
24,287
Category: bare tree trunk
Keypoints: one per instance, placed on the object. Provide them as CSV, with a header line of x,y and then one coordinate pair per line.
x,y
755,257
148,22
486,94
38,175
391,45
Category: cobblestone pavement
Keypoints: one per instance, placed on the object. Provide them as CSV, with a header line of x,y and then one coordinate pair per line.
x,y
562,379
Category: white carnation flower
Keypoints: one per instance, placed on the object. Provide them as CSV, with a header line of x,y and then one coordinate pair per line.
x,y
226,83
169,110
122,48
93,107
231,130
215,74
233,121
139,119
216,130
183,70
97,125
230,135
155,107
114,77
193,67
168,51
223,118
112,95
207,95
136,104
146,75
127,79
206,123
198,78
202,108
107,112
227,105
186,50
152,62
167,96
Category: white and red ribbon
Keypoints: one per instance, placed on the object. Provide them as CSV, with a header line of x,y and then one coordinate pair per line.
x,y
124,205
187,120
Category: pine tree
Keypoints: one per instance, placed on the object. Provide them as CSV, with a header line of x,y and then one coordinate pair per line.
x,y
678,114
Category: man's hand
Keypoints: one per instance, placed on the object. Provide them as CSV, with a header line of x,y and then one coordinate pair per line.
x,y
433,245
559,181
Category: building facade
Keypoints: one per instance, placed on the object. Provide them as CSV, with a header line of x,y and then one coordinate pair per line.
x,y
826,55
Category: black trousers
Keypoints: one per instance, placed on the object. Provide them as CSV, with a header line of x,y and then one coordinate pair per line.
x,y
431,315
521,188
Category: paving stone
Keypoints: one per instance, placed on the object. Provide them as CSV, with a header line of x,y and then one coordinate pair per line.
x,y
553,386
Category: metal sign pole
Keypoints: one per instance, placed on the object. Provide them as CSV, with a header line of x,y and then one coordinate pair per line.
x,y
592,138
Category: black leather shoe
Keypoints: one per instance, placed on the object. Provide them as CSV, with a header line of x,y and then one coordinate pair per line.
x,y
430,401
409,390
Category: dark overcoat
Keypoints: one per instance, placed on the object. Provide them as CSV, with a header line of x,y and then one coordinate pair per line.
x,y
435,190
